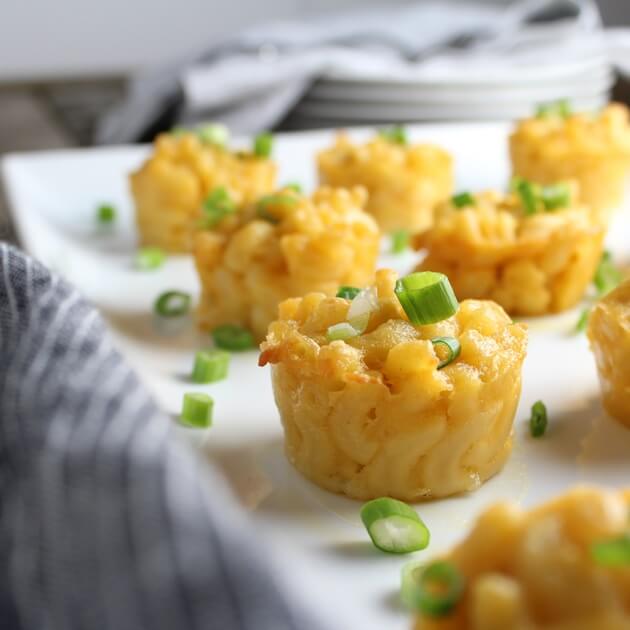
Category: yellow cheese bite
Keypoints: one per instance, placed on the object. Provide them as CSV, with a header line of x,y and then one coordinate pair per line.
x,y
284,246
593,149
379,414
510,249
609,334
562,566
170,188
404,182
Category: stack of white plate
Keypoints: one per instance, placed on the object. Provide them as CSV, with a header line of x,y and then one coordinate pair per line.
x,y
455,92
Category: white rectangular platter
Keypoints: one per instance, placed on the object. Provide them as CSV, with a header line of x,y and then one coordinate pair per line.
x,y
316,538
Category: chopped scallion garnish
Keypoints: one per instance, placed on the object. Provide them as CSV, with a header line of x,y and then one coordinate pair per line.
x,y
266,203
612,553
557,109
197,410
217,206
607,276
463,200
396,134
106,214
528,195
427,297
400,241
210,366
232,337
214,133
555,196
295,186
348,293
341,331
453,348
263,144
394,526
435,589
172,304
582,321
361,308
538,420
149,258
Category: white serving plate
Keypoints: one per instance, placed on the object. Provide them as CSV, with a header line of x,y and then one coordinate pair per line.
x,y
316,537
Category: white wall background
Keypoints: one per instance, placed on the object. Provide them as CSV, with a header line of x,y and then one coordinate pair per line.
x,y
43,38
57,38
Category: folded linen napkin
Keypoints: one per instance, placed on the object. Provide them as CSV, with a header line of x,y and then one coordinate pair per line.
x,y
106,521
252,80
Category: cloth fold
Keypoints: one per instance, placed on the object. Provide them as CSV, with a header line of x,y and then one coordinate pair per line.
x,y
274,64
108,522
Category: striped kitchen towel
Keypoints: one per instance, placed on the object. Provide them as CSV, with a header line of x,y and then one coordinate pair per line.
x,y
106,522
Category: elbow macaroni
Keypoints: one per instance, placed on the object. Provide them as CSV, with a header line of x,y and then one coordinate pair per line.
x,y
534,571
171,186
609,334
592,149
310,244
404,182
373,416
530,265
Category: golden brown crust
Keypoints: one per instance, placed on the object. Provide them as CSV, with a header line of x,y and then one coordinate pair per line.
x,y
404,182
591,149
171,185
373,416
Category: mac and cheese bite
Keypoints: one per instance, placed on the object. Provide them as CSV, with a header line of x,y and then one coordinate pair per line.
x,y
593,149
404,182
170,188
285,245
562,566
384,413
609,335
512,249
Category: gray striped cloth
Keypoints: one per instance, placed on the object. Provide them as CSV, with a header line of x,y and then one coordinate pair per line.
x,y
106,521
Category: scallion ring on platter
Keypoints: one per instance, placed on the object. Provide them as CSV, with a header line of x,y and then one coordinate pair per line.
x,y
452,346
172,304
612,553
394,526
348,293
361,307
341,331
440,586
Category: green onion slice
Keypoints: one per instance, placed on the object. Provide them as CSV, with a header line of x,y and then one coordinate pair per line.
x,y
453,347
217,206
348,293
149,258
582,321
528,195
197,410
435,589
232,337
400,241
612,553
295,186
265,203
557,109
263,144
427,297
394,526
210,366
538,420
396,134
555,196
214,133
106,214
172,304
462,200
341,331
607,276
361,307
